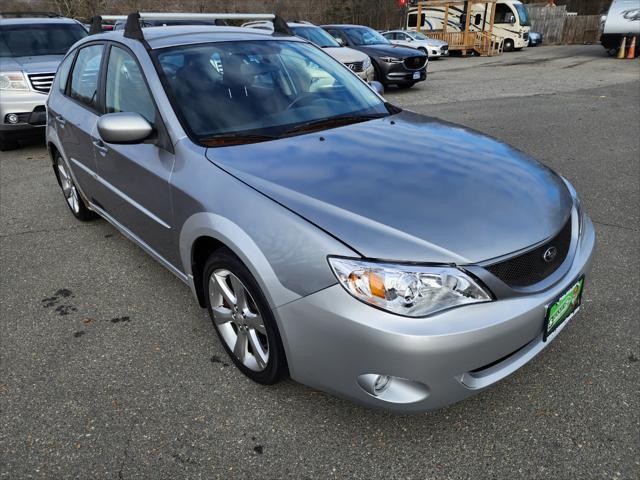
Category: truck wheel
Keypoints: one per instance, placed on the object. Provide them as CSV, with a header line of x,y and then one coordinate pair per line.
x,y
508,45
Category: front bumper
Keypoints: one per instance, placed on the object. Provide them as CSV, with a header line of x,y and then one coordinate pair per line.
x,y
333,341
30,108
402,76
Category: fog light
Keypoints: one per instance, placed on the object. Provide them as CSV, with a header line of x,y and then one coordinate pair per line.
x,y
12,118
381,384
388,388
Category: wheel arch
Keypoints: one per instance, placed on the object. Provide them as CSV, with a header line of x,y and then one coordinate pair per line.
x,y
204,232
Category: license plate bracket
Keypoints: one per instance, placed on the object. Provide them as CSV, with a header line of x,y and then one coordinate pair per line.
x,y
563,308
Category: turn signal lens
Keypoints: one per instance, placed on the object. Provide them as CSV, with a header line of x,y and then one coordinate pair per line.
x,y
409,290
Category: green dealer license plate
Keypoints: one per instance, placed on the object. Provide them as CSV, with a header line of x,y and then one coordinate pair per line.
x,y
563,308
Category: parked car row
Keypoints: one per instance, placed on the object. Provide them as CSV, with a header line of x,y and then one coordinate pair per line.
x,y
32,45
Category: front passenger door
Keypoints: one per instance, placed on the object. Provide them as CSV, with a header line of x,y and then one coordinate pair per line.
x,y
135,177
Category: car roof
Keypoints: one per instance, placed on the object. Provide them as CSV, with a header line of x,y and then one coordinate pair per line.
x,y
169,36
37,20
345,25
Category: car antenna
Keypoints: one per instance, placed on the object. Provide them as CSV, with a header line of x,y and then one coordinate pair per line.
x,y
96,25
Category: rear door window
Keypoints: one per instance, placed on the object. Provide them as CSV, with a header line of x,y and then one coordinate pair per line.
x,y
84,79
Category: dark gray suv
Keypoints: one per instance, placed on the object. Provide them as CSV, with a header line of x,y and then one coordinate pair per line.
x,y
391,258
394,64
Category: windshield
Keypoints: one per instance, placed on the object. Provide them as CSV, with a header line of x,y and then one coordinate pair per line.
x,y
523,14
260,88
29,40
418,36
364,36
316,35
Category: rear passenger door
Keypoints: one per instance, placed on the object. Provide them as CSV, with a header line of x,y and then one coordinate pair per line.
x,y
76,114
135,177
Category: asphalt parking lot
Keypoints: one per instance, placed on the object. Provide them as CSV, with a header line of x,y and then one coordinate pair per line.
x,y
109,369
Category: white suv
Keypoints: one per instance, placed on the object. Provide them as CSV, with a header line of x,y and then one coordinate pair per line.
x,y
31,49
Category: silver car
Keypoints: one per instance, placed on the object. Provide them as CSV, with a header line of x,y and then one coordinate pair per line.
x,y
407,38
31,48
390,258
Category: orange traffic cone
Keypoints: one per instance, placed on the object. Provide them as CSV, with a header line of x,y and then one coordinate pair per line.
x,y
632,49
621,51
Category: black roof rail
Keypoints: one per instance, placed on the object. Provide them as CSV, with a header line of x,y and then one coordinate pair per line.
x,y
29,14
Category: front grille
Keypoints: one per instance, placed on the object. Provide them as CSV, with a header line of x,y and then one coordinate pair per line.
x,y
356,66
530,267
526,36
415,63
41,82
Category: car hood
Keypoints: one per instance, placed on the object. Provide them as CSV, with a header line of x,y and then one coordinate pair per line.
x,y
383,50
432,43
37,64
345,54
408,188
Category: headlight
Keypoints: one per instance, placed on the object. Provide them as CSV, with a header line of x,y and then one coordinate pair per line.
x,y
366,63
412,291
391,59
13,81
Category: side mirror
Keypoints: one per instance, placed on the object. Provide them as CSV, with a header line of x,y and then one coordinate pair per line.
x,y
123,127
409,39
511,19
340,41
377,86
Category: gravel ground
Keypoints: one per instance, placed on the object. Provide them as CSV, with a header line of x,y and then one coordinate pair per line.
x,y
109,369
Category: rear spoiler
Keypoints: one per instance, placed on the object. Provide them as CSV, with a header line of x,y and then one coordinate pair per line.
x,y
133,29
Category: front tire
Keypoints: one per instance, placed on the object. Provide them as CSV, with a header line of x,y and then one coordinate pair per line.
x,y
242,319
508,45
70,191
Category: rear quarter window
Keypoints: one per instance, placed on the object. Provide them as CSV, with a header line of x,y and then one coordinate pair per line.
x,y
63,73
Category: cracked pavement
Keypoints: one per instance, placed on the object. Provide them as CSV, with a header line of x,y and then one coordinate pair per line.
x,y
109,369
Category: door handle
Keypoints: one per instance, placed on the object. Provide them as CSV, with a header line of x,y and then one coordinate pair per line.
x,y
61,121
101,147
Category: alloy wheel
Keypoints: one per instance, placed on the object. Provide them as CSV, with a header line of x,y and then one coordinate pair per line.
x,y
68,188
237,318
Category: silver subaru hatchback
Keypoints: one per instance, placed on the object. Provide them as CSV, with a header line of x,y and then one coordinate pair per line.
x,y
383,256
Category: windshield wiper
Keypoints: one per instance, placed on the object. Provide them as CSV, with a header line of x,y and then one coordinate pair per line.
x,y
224,140
324,123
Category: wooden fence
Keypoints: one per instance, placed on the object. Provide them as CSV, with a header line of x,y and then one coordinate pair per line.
x,y
557,27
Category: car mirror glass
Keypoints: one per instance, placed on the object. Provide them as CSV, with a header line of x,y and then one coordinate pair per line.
x,y
377,87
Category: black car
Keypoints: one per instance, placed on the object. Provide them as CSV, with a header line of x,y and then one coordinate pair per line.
x,y
394,64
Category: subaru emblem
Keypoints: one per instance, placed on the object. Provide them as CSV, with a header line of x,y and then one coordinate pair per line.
x,y
549,254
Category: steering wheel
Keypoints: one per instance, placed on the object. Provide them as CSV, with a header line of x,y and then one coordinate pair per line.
x,y
304,97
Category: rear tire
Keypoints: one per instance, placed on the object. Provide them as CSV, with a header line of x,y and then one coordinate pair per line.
x,y
70,191
242,318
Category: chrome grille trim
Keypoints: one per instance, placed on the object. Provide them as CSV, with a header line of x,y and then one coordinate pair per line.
x,y
41,82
